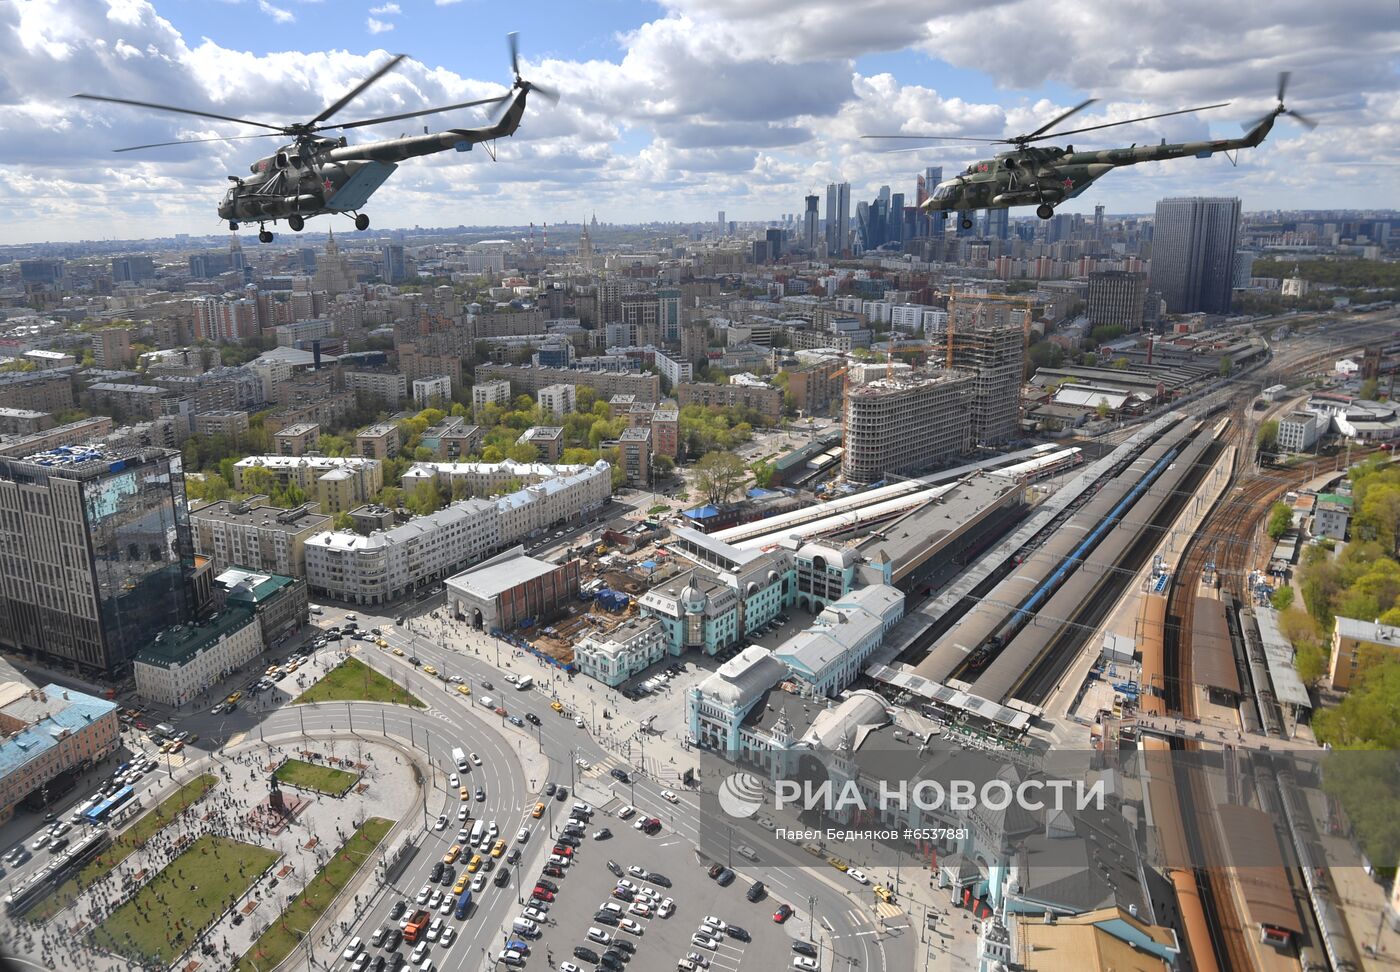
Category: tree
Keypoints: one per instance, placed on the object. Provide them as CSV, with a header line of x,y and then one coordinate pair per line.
x,y
1103,410
425,498
1369,389
1282,599
718,475
1226,366
1280,520
1267,436
662,466
343,521
763,474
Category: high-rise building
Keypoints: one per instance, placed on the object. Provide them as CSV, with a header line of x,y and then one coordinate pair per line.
x,y
774,239
395,266
810,219
998,225
111,348
133,269
906,425
720,221
894,219
1193,253
986,337
1116,298
1098,224
96,555
838,217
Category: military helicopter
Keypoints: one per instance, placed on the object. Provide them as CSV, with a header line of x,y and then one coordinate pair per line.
x,y
316,174
1045,176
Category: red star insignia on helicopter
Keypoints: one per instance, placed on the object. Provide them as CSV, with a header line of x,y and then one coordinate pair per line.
x,y
327,185
1069,183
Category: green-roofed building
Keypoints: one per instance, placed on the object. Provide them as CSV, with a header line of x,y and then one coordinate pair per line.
x,y
279,601
185,660
1331,516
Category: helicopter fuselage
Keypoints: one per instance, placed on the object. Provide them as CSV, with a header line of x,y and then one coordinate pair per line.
x,y
1046,176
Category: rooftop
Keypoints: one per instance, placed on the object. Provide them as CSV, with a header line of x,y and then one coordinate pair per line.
x,y
497,576
176,646
51,712
247,586
639,433
254,511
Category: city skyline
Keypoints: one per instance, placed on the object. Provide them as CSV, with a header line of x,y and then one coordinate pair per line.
x,y
675,108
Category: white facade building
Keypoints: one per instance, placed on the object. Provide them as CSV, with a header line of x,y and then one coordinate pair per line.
x,y
559,400
490,393
433,388
182,662
614,657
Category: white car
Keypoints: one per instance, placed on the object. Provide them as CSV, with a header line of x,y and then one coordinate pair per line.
x,y
352,949
648,895
596,934
637,871
630,926
464,836
476,760
448,934
462,813
510,679
716,922
535,913
453,781
670,796
435,898
449,904
628,885
626,812
558,860
351,617
478,881
666,908
612,906
704,941
522,835
424,893
858,876
435,929
641,909
420,953
578,721
804,963
441,822
569,967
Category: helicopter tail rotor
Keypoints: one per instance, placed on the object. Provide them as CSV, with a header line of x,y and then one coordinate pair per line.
x,y
550,94
1282,109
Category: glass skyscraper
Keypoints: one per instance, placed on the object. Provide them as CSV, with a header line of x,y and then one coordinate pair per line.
x,y
1193,253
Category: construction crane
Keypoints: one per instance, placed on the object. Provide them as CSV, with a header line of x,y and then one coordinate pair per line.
x,y
1027,305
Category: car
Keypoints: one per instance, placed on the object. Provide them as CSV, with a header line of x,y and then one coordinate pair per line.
x,y
650,825
607,917
783,913
395,939
435,876
717,923
478,882
380,934
612,907
441,822
755,891
659,879
463,793
704,941
398,651
556,706
414,660
553,870
424,893
449,876
562,850
542,895
480,795
561,794
569,967
839,864
448,934
804,948
514,856
435,929
587,954
602,834
805,964
622,894
666,908
217,709
502,877
452,780
857,875
532,719
510,956
462,884
740,934
522,835
639,908
626,812
620,775
474,864
516,721
498,848
637,871
452,854
420,952
615,867
883,893
535,914
519,945
435,899
464,835
352,948
538,811
699,960
449,904
628,885
670,796
578,721
599,936
559,860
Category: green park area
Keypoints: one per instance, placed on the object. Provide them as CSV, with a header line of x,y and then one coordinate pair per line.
x,y
286,932
309,776
160,921
128,841
354,681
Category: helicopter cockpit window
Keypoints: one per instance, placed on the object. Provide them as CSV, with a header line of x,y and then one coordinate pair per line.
x,y
945,190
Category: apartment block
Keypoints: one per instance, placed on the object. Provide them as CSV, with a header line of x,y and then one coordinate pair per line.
x,y
84,430
297,440
634,451
42,391
816,388
250,533
432,391
666,433
337,483
111,348
230,422
490,392
559,400
761,397
528,380
906,425
380,441
452,439
1356,645
50,732
548,439
389,387
986,337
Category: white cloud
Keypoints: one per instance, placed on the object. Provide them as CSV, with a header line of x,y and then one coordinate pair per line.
x,y
387,9
278,14
446,3
378,26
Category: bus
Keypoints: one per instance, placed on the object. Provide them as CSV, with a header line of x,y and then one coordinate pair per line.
x,y
104,809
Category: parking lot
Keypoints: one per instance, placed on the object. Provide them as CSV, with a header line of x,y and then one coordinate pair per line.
x,y
660,942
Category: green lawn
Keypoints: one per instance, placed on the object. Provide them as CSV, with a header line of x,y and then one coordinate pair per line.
x,y
309,776
160,920
150,824
283,935
353,680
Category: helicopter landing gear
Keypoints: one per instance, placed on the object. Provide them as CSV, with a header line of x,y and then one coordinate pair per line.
x,y
1045,210
966,223
265,236
361,222
233,225
295,222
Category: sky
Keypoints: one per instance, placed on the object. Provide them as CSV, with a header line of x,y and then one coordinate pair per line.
x,y
677,109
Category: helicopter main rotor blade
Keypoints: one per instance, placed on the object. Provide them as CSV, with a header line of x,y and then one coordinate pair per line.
x,y
183,111
356,91
426,111
513,38
1126,121
943,138
195,141
1051,124
1283,77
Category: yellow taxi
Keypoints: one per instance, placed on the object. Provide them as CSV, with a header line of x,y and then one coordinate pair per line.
x,y
234,697
498,848
474,864
429,670
557,706
452,854
883,893
461,884
463,690
463,793
381,642
166,746
293,667
839,864
538,811
399,652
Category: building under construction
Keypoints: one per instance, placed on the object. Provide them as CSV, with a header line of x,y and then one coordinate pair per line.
x,y
987,337
907,424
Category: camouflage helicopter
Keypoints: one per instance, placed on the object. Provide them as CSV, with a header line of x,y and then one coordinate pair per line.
x,y
1045,176
316,174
